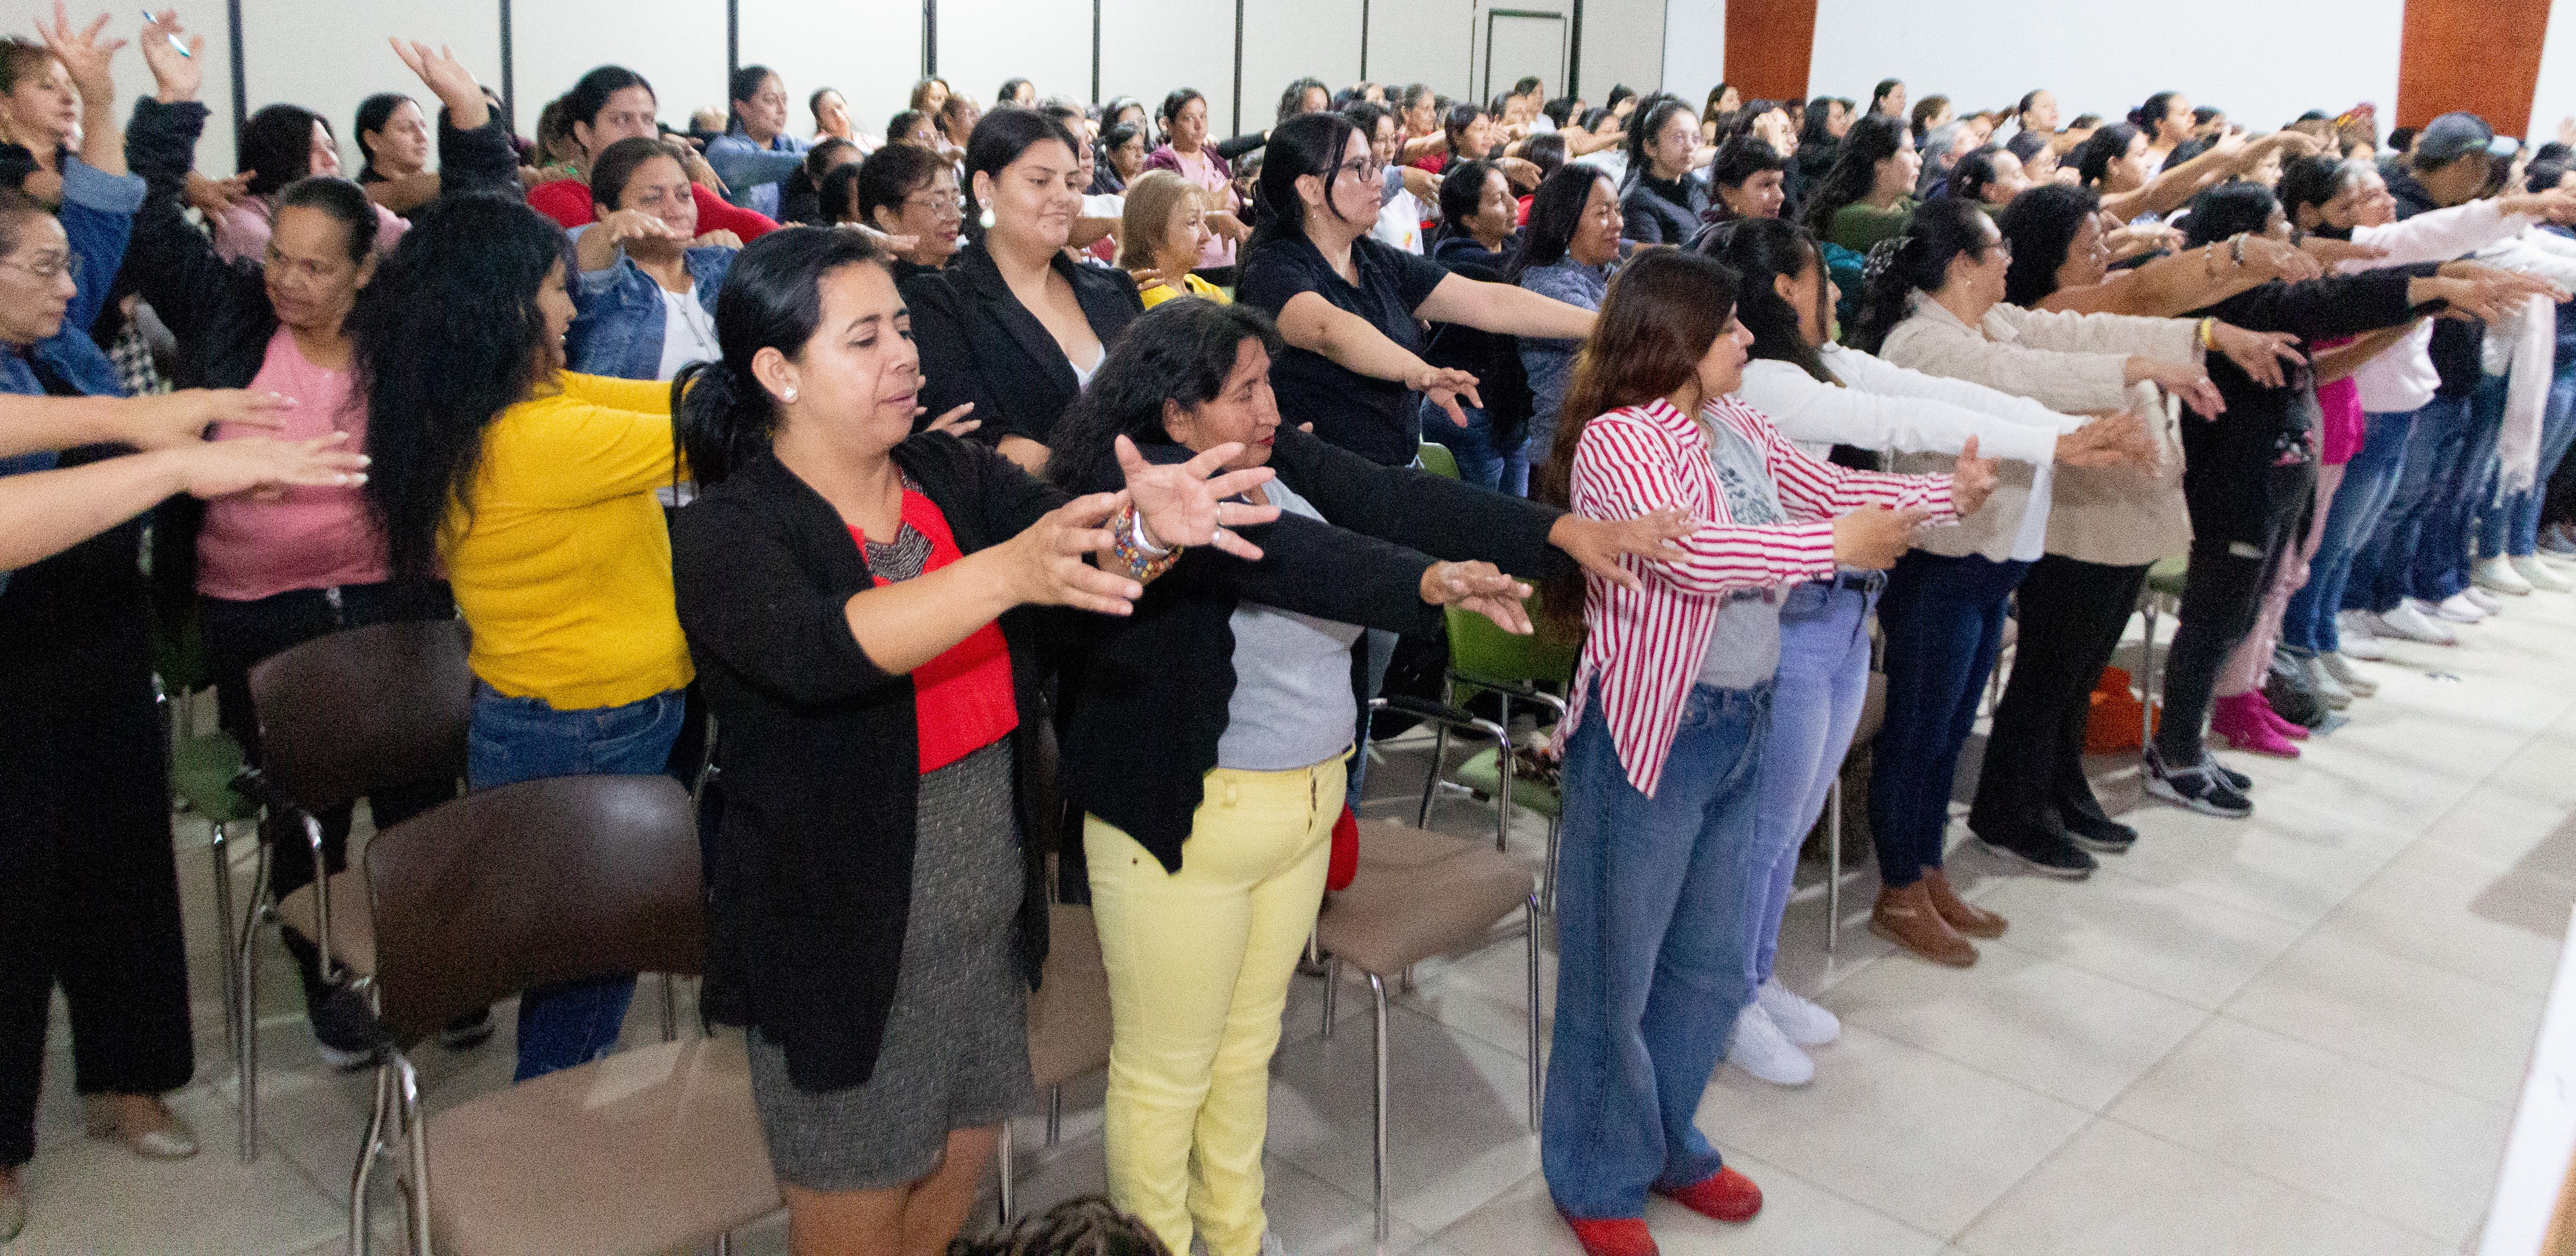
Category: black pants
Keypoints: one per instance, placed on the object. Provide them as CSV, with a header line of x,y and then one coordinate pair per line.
x,y
2071,617
89,895
241,634
2220,601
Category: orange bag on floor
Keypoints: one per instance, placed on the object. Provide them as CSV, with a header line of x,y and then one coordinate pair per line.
x,y
2113,726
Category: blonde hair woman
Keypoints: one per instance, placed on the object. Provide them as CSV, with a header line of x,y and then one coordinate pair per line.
x,y
1160,235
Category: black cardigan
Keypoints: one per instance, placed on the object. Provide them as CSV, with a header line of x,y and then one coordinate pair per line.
x,y
979,344
813,851
2226,461
1141,716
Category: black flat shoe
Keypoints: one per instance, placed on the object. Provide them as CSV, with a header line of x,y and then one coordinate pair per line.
x,y
2102,834
2049,854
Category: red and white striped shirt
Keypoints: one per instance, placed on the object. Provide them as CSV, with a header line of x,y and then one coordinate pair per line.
x,y
1645,647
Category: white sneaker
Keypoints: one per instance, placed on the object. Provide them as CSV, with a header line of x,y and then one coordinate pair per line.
x,y
2531,569
2407,623
1758,1047
2358,633
2485,599
1799,1020
2556,541
2347,675
2328,689
2497,575
2460,608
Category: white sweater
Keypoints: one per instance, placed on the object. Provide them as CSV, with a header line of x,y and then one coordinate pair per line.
x,y
1883,406
2401,378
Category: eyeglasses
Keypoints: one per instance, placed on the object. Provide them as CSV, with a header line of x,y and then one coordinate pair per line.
x,y
1362,168
47,272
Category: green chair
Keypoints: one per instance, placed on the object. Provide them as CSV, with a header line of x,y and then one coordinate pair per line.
x,y
2162,594
1436,459
203,767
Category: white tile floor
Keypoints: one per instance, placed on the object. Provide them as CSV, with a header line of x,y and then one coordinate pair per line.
x,y
2295,1034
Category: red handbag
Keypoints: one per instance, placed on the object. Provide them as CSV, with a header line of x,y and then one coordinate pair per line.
x,y
1346,851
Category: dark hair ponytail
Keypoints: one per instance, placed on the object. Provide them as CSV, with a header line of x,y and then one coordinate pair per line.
x,y
1918,260
1871,140
2228,209
1310,144
1556,213
2041,225
721,416
1760,250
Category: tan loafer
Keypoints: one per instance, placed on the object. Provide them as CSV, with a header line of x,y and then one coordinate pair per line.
x,y
146,1126
1907,918
1957,912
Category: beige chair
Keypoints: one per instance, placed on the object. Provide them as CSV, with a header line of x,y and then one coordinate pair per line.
x,y
1068,1023
529,885
1418,894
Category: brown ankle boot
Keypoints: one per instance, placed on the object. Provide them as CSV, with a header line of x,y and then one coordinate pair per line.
x,y
1907,918
1962,915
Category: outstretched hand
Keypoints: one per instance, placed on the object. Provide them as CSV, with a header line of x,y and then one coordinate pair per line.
x,y
2121,438
1482,588
84,55
177,418
264,467
175,78
1444,386
1187,503
1972,481
449,80
1601,545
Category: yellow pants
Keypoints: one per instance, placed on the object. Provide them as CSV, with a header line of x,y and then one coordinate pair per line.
x,y
1199,962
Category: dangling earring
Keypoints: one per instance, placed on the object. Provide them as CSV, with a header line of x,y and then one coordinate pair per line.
x,y
986,218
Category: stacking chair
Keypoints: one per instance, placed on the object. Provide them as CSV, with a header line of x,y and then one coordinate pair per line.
x,y
2162,594
529,885
341,717
1419,894
1484,657
203,768
1068,1023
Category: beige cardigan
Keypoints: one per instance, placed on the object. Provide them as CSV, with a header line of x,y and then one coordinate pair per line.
x,y
2072,363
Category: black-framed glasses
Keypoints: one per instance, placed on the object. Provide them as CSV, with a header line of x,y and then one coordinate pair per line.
x,y
1360,168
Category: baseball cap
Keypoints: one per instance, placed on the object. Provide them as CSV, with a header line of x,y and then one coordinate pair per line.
x,y
2447,138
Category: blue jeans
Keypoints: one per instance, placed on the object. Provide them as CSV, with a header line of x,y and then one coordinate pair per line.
x,y
2444,558
1652,954
527,739
1944,622
1815,707
2352,518
2511,528
1482,460
2384,571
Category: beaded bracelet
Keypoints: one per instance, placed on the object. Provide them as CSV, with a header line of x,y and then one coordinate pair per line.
x,y
1127,541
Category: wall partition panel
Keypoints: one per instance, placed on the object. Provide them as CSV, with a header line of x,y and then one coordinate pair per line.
x,y
134,81
870,53
1048,42
328,58
677,45
1433,42
1523,41
1622,41
1150,47
1286,40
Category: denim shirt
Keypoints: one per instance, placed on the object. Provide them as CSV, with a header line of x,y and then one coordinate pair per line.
x,y
751,173
617,327
1550,363
97,217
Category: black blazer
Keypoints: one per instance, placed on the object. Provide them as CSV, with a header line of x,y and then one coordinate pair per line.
x,y
979,344
1142,714
813,852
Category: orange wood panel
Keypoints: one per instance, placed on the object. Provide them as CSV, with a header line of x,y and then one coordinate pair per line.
x,y
2482,56
1770,43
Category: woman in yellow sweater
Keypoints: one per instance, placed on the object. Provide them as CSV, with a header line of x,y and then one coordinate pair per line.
x,y
533,488
1161,233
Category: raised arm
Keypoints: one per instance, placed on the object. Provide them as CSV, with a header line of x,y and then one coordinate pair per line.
x,y
1311,323
1621,470
43,513
172,264
87,57
1503,309
2170,286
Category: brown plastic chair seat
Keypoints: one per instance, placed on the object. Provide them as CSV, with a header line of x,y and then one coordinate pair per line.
x,y
1069,1011
353,927
637,1152
1418,894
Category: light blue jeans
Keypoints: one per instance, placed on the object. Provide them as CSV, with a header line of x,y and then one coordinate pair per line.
x,y
526,739
1816,702
1653,952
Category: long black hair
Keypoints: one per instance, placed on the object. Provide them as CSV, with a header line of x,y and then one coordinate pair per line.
x,y
1462,193
1818,127
1760,250
998,140
1880,93
449,337
276,146
1871,140
1556,213
591,91
2228,209
2094,156
2040,226
1974,173
1310,144
1181,351
744,85
772,299
1919,260
373,113
1651,116
2149,118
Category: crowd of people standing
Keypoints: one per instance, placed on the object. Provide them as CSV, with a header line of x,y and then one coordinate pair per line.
x,y
1063,451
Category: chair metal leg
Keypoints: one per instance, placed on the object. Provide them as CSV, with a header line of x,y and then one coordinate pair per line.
x,y
221,847
1377,993
1833,862
724,1244
246,1058
321,898
2147,678
369,1147
1534,1071
1431,779
1055,1114
1547,891
670,1008
416,1123
1002,1162
1332,992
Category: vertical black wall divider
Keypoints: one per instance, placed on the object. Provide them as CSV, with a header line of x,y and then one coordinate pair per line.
x,y
1574,53
1364,25
1095,51
1238,67
509,77
241,82
929,38
733,45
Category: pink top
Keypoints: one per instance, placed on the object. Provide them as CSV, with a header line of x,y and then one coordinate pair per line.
x,y
312,538
2341,422
242,231
1645,647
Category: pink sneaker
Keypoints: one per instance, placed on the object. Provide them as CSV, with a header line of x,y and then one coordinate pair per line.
x,y
2240,719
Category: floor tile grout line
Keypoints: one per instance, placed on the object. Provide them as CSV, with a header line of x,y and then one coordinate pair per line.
x,y
2277,1180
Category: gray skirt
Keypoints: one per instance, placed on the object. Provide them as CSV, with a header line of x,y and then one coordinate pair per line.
x,y
956,1048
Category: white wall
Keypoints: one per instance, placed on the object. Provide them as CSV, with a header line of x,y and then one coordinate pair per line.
x,y
1149,48
2554,95
2263,63
982,42
869,53
677,45
1623,42
1694,51
341,56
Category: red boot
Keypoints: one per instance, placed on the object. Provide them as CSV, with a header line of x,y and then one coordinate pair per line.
x,y
1613,1236
1725,1195
2240,719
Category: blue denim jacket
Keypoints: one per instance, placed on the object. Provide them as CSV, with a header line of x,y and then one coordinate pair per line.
x,y
617,330
752,174
97,216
